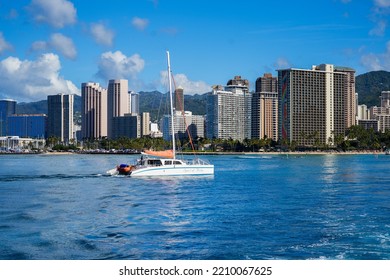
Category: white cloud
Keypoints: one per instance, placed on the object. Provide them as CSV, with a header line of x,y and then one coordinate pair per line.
x,y
63,45
39,46
379,29
181,80
56,13
59,43
382,3
33,80
374,62
116,65
4,45
379,14
101,34
140,23
282,63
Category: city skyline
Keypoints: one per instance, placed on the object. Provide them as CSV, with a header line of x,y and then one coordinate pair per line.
x,y
48,47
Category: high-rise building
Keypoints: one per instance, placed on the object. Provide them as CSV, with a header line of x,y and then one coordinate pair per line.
x,y
60,117
178,104
265,108
183,124
229,111
93,111
351,97
117,102
128,126
385,99
315,105
145,124
7,108
267,83
265,115
133,102
363,112
28,126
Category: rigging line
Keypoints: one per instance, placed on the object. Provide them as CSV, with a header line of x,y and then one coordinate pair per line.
x,y
183,114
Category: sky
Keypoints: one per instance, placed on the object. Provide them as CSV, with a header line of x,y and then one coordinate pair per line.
x,y
52,46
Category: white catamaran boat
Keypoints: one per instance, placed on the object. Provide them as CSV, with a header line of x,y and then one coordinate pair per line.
x,y
165,163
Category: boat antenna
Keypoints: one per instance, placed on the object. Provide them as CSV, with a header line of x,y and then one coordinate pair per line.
x,y
171,101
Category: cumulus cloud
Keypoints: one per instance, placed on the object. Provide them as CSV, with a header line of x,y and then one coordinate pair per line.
x,y
56,13
63,45
379,14
27,80
59,43
374,62
181,80
116,65
140,23
101,34
4,45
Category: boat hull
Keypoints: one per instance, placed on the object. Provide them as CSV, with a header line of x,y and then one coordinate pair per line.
x,y
187,170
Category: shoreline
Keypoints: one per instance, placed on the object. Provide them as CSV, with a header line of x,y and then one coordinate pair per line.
x,y
215,153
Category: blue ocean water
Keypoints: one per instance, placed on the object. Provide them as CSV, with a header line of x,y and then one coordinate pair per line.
x,y
254,207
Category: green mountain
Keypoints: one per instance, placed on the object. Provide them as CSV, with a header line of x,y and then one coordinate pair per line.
x,y
154,102
370,85
40,107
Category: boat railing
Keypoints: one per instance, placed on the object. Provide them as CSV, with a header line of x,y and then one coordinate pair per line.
x,y
199,161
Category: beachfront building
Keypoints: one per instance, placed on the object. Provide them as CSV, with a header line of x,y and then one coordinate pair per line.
x,y
60,117
93,111
229,111
193,123
265,115
7,108
128,126
315,105
28,125
265,108
117,102
18,144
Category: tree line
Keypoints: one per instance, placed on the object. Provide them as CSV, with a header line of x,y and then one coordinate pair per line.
x,y
356,138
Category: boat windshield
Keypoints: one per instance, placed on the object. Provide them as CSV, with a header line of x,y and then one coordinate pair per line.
x,y
154,162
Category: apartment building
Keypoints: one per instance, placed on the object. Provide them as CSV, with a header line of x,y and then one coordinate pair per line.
x,y
265,108
229,111
60,116
93,111
117,102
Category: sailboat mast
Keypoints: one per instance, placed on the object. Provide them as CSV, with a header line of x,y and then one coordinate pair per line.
x,y
171,101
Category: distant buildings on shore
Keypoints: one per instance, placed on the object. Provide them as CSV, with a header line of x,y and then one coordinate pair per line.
x,y
302,106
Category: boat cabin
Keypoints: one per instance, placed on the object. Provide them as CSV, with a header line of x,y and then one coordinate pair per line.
x,y
160,162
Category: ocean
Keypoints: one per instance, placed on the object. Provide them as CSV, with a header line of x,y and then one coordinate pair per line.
x,y
255,207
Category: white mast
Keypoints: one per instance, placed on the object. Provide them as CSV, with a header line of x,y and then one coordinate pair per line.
x,y
171,101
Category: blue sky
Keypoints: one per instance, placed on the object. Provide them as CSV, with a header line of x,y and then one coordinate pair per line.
x,y
52,46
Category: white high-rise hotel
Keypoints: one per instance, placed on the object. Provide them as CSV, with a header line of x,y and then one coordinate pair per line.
x,y
229,111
